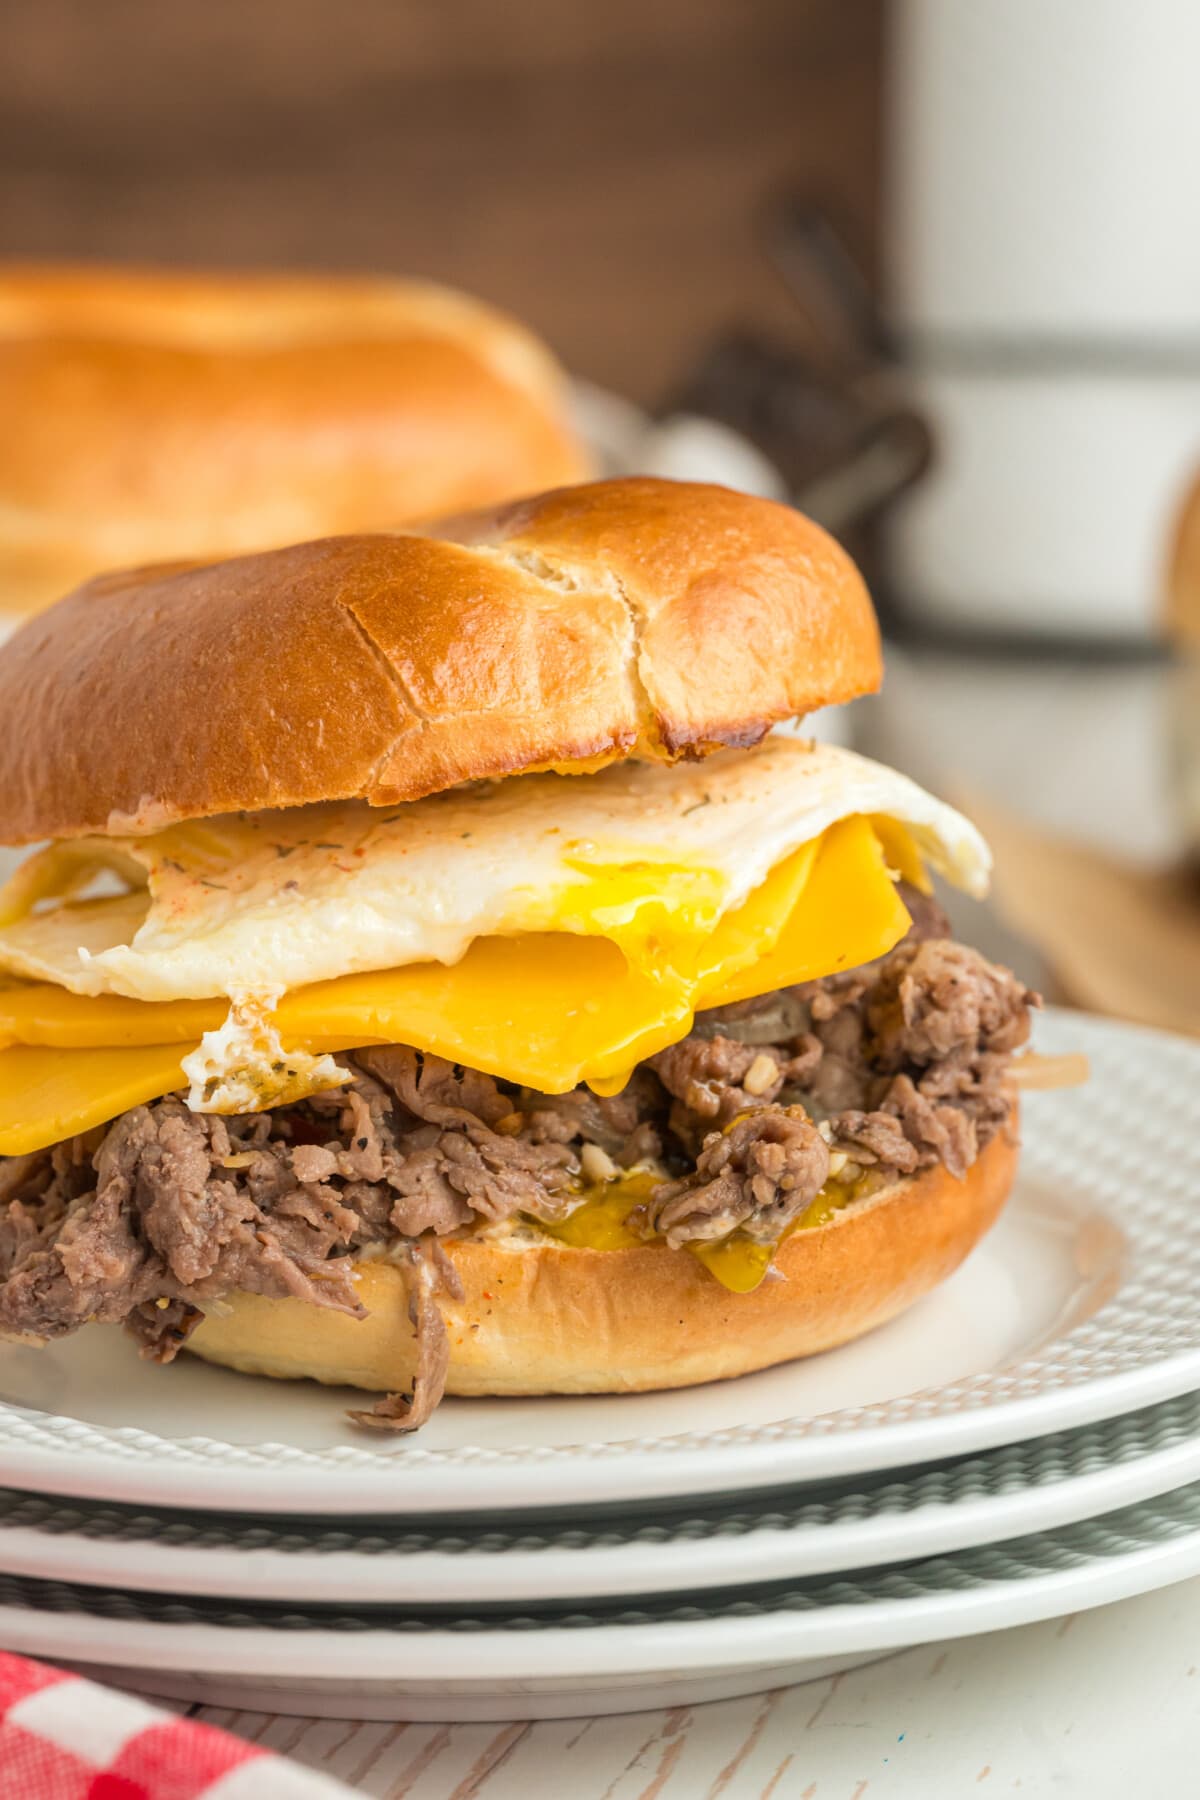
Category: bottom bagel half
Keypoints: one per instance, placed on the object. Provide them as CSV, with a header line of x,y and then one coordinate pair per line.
x,y
544,1318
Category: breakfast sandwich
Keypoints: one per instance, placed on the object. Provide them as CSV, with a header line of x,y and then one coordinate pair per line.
x,y
442,977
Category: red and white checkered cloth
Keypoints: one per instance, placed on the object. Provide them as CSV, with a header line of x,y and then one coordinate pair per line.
x,y
64,1738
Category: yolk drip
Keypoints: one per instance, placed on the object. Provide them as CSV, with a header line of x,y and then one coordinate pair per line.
x,y
738,1262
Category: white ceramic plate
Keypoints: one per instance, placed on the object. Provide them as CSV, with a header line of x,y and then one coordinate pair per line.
x,y
1081,1305
398,1664
1037,1486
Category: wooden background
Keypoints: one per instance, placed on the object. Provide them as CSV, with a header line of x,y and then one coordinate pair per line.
x,y
596,165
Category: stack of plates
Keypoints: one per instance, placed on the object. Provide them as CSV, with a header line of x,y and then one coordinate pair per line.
x,y
1025,1442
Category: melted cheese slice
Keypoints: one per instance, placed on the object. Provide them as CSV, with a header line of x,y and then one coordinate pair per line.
x,y
547,1010
49,1095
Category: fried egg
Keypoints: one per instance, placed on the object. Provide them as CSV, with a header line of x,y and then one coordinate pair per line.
x,y
264,903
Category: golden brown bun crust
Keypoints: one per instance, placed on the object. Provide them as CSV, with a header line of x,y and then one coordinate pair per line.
x,y
617,618
553,1320
151,416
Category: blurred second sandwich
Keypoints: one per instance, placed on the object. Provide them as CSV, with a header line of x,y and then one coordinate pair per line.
x,y
157,416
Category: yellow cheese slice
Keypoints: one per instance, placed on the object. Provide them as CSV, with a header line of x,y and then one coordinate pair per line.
x,y
831,905
547,1010
42,1014
848,913
544,1010
48,1095
537,1010
522,1005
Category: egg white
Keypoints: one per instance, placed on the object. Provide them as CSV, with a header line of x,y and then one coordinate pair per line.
x,y
273,901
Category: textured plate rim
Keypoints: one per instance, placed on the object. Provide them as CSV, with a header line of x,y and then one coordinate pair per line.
x,y
960,1506
1152,1555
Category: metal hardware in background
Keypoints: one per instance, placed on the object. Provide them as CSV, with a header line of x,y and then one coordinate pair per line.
x,y
828,410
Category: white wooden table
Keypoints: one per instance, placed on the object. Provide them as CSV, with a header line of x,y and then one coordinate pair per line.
x,y
1101,1705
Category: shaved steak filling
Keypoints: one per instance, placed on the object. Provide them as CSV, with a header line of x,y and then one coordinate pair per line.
x,y
156,1218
